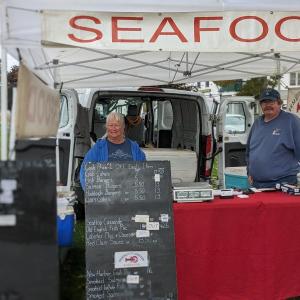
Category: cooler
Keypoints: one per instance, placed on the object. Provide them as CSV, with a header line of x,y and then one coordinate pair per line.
x,y
236,177
65,224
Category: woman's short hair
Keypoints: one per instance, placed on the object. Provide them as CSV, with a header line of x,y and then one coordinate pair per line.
x,y
115,116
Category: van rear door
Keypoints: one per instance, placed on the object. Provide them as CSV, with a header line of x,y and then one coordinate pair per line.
x,y
65,137
235,118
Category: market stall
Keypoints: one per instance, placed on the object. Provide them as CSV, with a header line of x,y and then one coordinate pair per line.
x,y
234,249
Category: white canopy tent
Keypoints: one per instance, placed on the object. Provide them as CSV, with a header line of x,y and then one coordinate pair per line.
x,y
121,65
164,37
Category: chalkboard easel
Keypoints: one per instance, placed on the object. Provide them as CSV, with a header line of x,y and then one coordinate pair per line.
x,y
130,251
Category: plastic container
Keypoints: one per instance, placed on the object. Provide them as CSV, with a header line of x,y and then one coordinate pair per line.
x,y
65,226
236,178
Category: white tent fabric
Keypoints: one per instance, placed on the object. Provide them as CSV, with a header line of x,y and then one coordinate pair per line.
x,y
86,68
83,67
157,5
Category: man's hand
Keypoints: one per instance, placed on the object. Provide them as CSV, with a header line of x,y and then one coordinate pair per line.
x,y
250,179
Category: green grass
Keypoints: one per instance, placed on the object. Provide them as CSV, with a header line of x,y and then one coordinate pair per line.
x,y
72,270
214,174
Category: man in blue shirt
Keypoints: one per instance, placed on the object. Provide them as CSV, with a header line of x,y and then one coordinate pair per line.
x,y
273,146
114,147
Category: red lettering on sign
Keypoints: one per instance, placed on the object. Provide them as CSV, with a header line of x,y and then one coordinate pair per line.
x,y
175,31
237,20
73,24
168,27
197,27
278,29
115,29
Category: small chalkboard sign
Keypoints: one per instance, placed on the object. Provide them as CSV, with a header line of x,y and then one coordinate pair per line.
x,y
28,247
130,251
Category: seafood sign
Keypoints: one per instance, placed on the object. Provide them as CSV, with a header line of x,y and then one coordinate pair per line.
x,y
249,31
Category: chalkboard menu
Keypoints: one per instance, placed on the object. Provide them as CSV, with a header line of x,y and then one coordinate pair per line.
x,y
130,253
28,248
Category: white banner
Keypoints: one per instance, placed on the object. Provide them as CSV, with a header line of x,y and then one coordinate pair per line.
x,y
204,31
293,101
37,107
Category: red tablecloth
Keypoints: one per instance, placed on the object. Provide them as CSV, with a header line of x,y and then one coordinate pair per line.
x,y
239,249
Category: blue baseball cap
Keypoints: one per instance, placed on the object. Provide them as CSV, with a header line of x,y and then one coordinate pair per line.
x,y
269,94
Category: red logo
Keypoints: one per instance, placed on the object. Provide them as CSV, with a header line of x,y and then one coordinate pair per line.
x,y
133,259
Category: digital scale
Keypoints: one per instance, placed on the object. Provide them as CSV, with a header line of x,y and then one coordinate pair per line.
x,y
192,192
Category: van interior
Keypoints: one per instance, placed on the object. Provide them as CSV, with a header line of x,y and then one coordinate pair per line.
x,y
166,126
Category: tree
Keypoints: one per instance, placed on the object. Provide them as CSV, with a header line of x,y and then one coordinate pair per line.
x,y
254,86
224,83
251,87
12,76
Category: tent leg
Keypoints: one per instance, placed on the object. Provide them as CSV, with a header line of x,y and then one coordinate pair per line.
x,y
12,135
278,71
3,104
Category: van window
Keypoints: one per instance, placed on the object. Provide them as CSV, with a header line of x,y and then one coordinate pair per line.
x,y
163,114
106,105
235,119
64,115
100,111
118,104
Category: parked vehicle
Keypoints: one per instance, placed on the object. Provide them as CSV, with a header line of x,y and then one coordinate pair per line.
x,y
234,123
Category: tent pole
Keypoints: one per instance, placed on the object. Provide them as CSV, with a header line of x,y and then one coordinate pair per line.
x,y
12,135
4,145
278,75
3,104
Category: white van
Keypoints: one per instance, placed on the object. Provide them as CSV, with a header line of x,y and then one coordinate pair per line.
x,y
168,124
